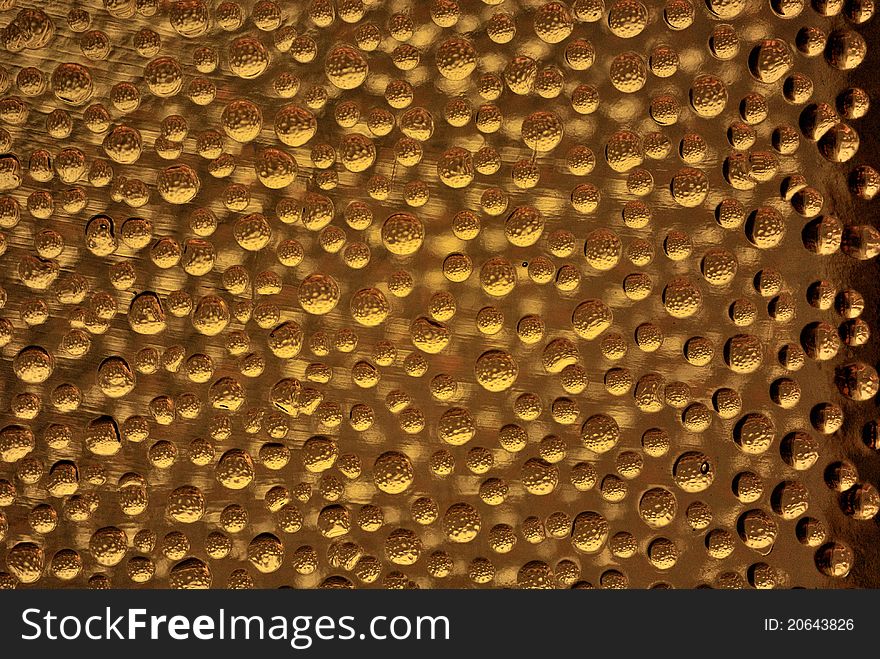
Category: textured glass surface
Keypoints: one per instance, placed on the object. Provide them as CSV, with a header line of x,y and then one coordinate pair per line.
x,y
446,293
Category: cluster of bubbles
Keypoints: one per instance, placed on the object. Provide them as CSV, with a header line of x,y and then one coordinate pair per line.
x,y
344,293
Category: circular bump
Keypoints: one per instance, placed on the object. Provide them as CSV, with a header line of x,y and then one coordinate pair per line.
x,y
186,504
497,277
108,546
754,433
719,543
591,318
658,507
679,14
72,83
456,58
823,235
429,336
553,22
393,472
811,532
496,370
693,471
730,213
861,502
318,294
719,266
765,227
820,341
26,561
369,307
800,450
164,77
624,151
455,167
275,169
648,393
178,184
827,418
600,433
665,109
535,575
16,442
853,103
656,442
417,123
190,574
530,329
787,9
248,57
33,365
708,96
123,145
285,340
861,241
558,354
726,8
242,120
146,315
811,41
785,392
589,532
627,18
815,120
602,249
115,377
235,469
266,553
211,315
839,144
580,54
539,477
727,403
790,499
857,381
757,530
520,74
295,126
319,454
663,553
524,226
403,234
682,298
743,353
461,523
618,381
770,60
699,351
724,42
834,559
628,72
189,18
689,187
542,131
346,68
841,475
846,49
